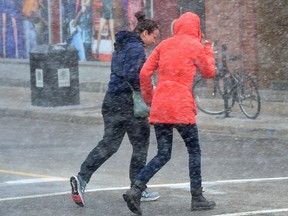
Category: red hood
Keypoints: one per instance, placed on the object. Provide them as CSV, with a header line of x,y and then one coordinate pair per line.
x,y
189,24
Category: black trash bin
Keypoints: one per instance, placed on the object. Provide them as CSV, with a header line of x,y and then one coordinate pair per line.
x,y
54,75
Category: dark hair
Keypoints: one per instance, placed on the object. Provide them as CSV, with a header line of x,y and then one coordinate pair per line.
x,y
144,24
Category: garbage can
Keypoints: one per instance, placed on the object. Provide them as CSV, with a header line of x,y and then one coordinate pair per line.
x,y
54,75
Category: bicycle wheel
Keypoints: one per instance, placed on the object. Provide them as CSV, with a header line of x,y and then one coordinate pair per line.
x,y
208,97
249,97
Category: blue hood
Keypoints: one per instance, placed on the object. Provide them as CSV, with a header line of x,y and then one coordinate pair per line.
x,y
124,37
127,61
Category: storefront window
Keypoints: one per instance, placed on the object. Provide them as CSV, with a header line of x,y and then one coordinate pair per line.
x,y
90,25
23,25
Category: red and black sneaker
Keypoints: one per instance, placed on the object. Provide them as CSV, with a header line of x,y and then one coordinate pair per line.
x,y
78,188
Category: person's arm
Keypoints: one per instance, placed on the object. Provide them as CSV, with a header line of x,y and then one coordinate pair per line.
x,y
146,74
205,60
134,60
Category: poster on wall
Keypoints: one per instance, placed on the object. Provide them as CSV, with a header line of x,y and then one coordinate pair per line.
x,y
23,24
90,25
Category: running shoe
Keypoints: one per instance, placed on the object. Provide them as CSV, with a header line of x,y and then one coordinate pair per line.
x,y
78,188
148,196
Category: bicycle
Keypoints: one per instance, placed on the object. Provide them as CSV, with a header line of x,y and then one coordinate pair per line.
x,y
218,95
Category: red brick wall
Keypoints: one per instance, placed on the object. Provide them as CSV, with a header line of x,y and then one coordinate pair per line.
x,y
234,23
55,21
272,31
165,11
254,29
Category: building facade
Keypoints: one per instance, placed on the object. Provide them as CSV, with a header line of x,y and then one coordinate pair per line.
x,y
254,31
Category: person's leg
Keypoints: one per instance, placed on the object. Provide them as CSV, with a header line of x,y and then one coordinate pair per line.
x,y
30,36
114,132
164,135
112,33
138,131
189,133
88,51
101,26
26,38
78,44
15,36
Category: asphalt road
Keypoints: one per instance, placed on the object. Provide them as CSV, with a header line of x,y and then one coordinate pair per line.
x,y
245,175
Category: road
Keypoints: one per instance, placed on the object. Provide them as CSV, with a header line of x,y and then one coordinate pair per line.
x,y
242,174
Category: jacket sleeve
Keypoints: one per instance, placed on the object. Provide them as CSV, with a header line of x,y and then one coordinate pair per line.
x,y
205,61
146,73
134,60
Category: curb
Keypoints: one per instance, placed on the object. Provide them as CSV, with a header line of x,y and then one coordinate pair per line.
x,y
264,127
236,126
94,118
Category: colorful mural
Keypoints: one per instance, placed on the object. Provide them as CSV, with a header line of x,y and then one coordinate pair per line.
x,y
89,25
23,24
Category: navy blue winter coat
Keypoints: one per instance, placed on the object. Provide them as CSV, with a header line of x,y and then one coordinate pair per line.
x,y
127,61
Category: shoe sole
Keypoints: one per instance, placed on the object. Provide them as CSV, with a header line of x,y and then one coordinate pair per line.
x,y
202,208
76,196
131,205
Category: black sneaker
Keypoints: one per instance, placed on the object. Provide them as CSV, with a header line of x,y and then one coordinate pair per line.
x,y
78,188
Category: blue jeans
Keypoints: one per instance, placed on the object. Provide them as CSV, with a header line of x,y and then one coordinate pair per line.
x,y
29,36
77,42
164,135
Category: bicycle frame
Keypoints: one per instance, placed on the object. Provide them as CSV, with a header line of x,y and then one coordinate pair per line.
x,y
230,87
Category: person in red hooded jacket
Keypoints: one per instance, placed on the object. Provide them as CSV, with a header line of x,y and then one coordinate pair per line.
x,y
172,104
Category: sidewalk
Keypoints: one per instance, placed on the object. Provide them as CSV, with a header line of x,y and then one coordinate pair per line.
x,y
272,121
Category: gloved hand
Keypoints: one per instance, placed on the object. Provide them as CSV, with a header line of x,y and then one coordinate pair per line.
x,y
218,73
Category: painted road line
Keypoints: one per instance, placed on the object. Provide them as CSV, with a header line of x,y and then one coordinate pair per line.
x,y
35,196
61,193
235,181
32,181
255,212
240,181
177,185
28,174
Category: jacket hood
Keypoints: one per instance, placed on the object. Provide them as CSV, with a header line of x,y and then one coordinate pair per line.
x,y
124,37
188,24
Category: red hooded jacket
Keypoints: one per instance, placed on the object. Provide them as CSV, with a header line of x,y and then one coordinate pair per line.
x,y
176,59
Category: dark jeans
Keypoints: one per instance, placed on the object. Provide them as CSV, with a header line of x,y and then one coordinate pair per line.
x,y
164,135
118,118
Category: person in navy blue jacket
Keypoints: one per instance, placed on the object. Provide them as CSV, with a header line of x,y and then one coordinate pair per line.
x,y
117,108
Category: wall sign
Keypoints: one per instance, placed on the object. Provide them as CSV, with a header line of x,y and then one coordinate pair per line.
x,y
63,77
39,78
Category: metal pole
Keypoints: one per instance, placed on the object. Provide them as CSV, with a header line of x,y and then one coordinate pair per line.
x,y
49,21
152,9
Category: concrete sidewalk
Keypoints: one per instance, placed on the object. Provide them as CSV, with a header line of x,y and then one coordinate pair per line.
x,y
272,121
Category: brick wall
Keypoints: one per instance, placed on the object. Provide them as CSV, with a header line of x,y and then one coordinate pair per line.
x,y
165,11
272,35
233,22
256,30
